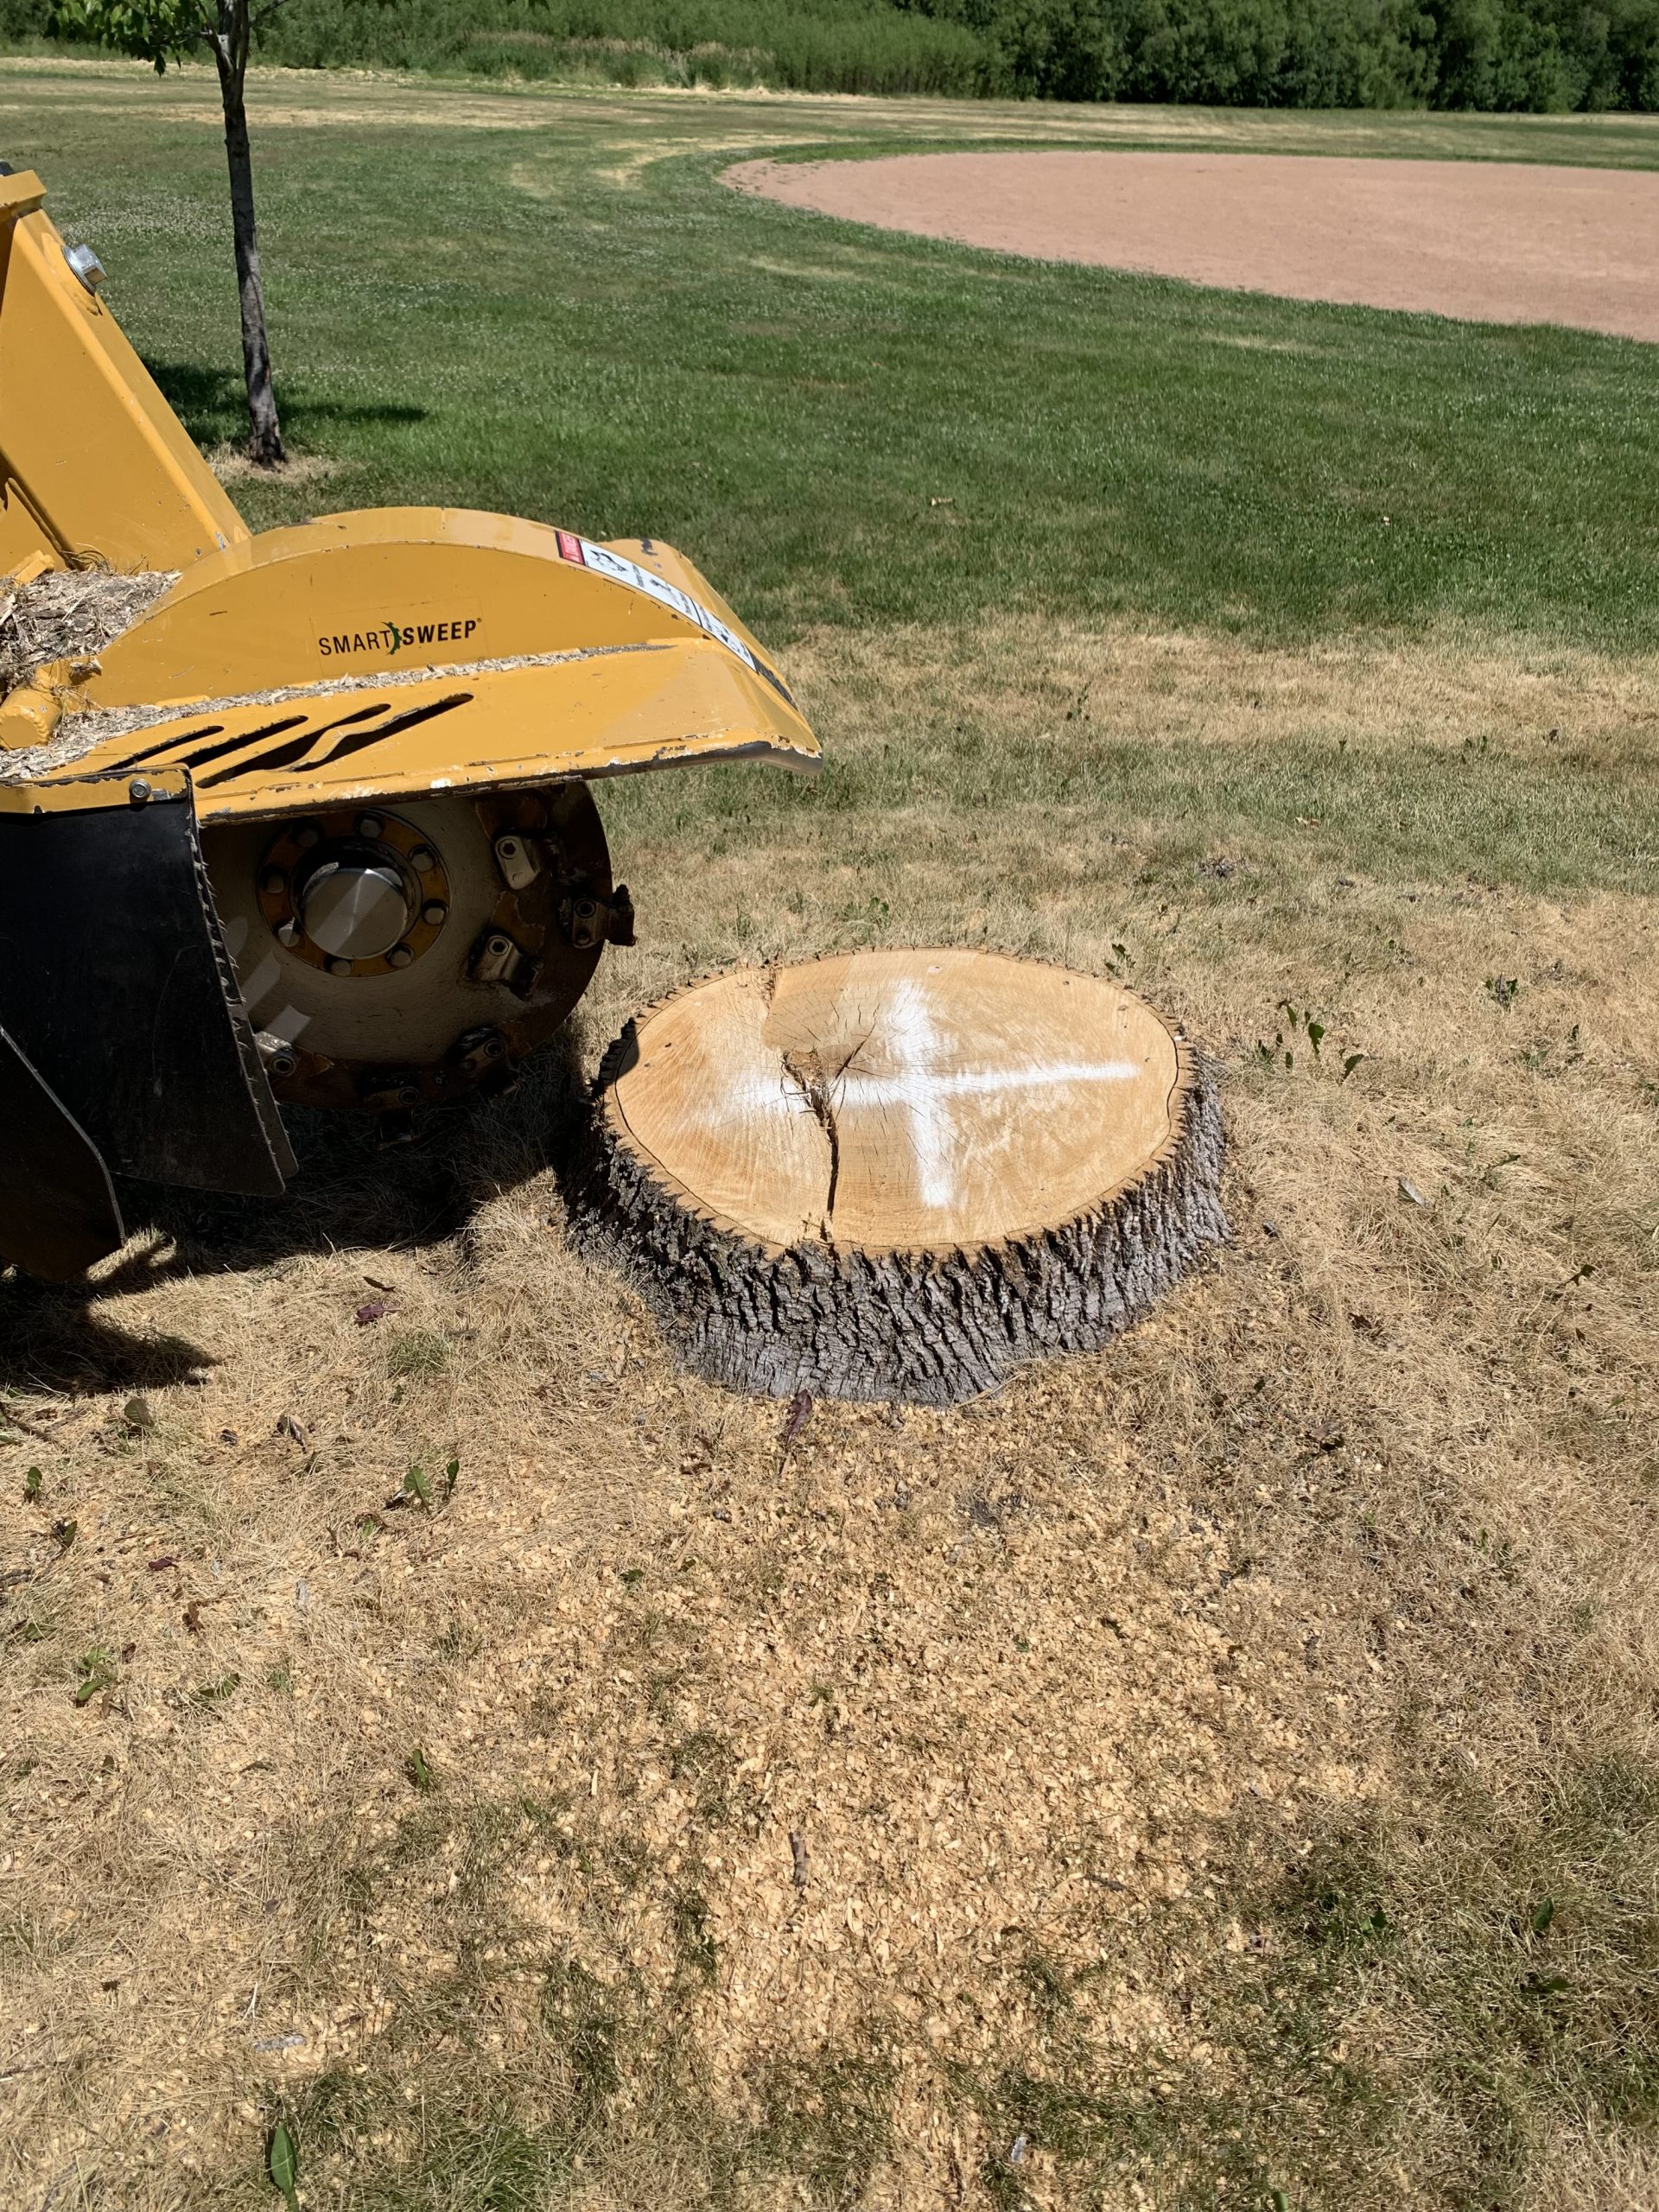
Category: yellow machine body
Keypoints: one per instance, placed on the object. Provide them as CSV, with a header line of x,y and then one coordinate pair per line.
x,y
424,650
363,745
97,471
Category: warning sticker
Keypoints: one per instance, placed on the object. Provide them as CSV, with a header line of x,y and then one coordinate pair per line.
x,y
604,562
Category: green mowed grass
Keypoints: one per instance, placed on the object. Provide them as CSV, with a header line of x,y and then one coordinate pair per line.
x,y
555,309
525,320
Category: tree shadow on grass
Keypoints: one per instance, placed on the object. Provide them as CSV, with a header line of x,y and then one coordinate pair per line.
x,y
349,1194
212,404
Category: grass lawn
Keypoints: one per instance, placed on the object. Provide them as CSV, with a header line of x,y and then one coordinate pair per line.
x,y
1227,1766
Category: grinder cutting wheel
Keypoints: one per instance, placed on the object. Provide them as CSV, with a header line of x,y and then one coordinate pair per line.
x,y
315,827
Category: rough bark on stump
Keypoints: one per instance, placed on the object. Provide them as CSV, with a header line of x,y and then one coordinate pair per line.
x,y
899,1174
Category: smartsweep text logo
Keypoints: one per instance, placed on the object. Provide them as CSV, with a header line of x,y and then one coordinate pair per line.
x,y
391,638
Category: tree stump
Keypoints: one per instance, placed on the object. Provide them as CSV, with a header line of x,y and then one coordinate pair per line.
x,y
897,1174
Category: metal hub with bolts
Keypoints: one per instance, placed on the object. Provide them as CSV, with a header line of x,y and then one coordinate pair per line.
x,y
355,894
391,960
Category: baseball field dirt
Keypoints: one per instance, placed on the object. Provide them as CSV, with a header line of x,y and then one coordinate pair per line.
x,y
1487,241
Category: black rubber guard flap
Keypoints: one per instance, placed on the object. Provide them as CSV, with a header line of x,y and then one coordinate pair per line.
x,y
58,1212
115,982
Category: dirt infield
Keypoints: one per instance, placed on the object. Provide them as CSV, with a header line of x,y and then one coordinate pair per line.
x,y
1491,241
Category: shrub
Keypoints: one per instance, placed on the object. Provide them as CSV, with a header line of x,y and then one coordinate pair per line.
x,y
1533,55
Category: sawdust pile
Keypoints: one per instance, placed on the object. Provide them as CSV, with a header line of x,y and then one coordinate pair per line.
x,y
70,614
1152,1777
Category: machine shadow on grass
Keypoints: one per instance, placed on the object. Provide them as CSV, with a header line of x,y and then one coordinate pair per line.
x,y
349,1193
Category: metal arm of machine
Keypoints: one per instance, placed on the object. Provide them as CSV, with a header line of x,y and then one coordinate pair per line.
x,y
96,470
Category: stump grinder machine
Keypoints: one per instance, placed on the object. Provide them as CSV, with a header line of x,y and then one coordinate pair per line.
x,y
316,829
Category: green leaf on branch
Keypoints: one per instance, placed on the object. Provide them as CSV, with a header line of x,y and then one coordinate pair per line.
x,y
156,31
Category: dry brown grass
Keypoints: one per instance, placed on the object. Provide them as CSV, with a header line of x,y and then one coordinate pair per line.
x,y
1183,1745
232,464
309,99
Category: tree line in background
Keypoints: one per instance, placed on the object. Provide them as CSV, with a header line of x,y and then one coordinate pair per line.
x,y
1531,55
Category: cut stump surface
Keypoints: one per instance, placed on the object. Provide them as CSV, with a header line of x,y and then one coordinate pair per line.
x,y
898,1173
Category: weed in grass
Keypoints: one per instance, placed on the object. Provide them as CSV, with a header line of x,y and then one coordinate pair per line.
x,y
417,1355
94,1671
283,2164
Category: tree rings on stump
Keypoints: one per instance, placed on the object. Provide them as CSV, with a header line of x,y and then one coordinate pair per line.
x,y
897,1174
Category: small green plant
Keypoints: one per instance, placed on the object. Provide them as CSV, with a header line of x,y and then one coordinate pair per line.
x,y
1543,1986
417,1489
1300,1023
282,2163
419,1772
1312,1028
1504,990
212,1693
32,1486
417,1355
96,1671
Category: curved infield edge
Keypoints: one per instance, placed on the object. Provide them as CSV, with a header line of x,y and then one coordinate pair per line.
x,y
1512,242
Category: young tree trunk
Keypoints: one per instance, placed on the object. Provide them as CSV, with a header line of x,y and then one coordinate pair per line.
x,y
231,53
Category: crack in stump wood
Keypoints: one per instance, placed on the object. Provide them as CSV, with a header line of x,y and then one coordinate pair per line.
x,y
1020,1160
